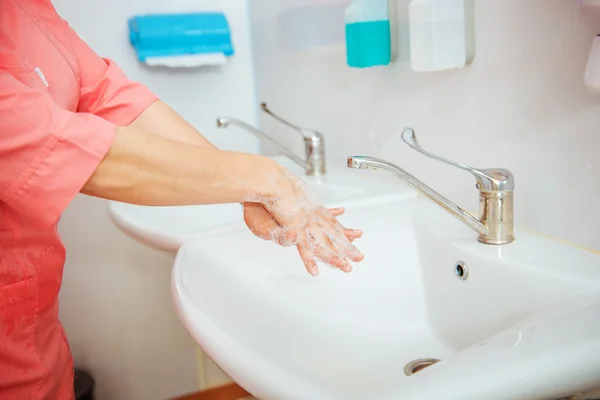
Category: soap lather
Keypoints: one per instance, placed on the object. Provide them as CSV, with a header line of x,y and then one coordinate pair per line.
x,y
181,40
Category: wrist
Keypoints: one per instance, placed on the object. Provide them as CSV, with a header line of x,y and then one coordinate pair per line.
x,y
271,183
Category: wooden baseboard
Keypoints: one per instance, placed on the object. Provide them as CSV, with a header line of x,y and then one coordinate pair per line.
x,y
230,391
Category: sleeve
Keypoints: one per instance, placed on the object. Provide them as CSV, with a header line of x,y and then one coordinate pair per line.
x,y
47,154
108,93
105,90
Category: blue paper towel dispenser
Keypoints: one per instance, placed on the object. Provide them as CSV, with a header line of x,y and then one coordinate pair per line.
x,y
173,35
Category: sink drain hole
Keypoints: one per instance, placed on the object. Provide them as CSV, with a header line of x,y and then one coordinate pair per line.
x,y
417,365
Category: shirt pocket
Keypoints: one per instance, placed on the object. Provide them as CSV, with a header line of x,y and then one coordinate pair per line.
x,y
18,307
18,314
21,69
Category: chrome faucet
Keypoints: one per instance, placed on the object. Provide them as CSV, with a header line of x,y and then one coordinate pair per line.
x,y
314,142
496,185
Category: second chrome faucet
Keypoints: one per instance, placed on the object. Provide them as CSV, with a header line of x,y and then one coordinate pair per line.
x,y
314,142
495,185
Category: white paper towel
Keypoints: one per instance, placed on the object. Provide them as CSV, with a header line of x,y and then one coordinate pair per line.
x,y
188,61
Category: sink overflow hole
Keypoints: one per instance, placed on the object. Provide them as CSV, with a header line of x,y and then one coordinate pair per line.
x,y
461,270
417,365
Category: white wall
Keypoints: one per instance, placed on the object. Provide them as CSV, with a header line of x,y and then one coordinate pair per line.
x,y
115,300
521,105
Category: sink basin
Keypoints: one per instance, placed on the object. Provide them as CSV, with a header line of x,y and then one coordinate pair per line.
x,y
511,322
167,228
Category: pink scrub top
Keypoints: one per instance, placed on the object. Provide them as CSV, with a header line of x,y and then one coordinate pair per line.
x,y
60,104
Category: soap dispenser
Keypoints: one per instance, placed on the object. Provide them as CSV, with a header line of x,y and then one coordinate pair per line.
x,y
442,34
370,31
591,13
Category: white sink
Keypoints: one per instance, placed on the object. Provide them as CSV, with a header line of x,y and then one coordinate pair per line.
x,y
524,325
167,228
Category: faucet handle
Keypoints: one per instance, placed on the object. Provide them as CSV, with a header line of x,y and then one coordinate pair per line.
x,y
489,179
307,134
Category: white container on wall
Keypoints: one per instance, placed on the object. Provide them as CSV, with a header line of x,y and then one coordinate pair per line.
x,y
592,70
442,34
591,13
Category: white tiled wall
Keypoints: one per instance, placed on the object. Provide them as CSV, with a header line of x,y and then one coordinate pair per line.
x,y
521,105
115,300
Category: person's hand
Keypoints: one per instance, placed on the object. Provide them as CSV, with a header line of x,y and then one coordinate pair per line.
x,y
262,224
293,218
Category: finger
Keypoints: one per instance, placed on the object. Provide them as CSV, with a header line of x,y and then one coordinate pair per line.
x,y
342,244
332,214
352,234
308,258
259,220
287,236
331,218
325,250
336,212
328,257
263,225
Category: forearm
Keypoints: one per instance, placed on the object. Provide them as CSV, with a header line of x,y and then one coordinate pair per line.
x,y
147,169
160,119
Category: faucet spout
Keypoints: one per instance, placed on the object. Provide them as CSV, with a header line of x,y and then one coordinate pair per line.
x,y
224,122
314,143
363,162
495,185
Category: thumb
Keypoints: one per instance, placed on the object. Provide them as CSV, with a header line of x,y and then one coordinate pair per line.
x,y
262,224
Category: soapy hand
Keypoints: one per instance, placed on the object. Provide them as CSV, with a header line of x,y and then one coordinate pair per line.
x,y
293,218
263,224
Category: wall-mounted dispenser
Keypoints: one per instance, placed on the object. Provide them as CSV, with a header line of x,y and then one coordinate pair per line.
x,y
592,68
442,34
316,27
370,33
181,40
591,13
